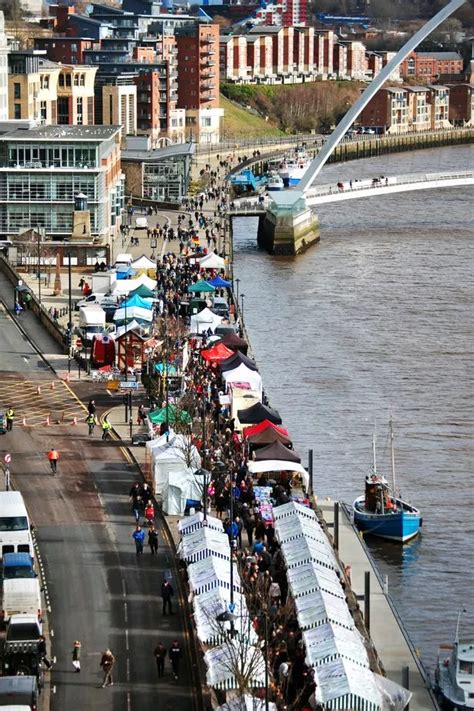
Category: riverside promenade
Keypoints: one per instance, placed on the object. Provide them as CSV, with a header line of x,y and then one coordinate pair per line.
x,y
388,636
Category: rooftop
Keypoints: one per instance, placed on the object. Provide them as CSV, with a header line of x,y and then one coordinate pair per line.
x,y
49,133
176,149
440,55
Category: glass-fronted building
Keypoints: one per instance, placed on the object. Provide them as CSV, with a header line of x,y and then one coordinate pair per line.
x,y
43,168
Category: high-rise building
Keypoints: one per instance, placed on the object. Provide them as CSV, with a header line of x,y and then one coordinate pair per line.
x,y
3,71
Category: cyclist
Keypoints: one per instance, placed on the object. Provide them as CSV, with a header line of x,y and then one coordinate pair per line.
x,y
53,456
106,427
91,422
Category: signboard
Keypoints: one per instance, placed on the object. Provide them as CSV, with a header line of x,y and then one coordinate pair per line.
x,y
113,384
7,458
129,385
78,344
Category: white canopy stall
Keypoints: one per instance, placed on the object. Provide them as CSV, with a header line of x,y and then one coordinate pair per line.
x,y
243,374
275,465
223,662
192,523
205,320
210,573
203,543
212,261
328,642
341,684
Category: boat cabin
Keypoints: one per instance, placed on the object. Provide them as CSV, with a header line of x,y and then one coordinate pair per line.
x,y
377,495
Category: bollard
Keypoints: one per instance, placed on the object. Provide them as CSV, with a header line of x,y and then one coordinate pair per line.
x,y
336,525
52,386
38,390
310,470
367,600
406,682
68,377
47,423
74,421
24,421
385,585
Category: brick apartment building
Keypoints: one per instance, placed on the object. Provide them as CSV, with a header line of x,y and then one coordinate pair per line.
x,y
461,104
428,66
397,109
198,80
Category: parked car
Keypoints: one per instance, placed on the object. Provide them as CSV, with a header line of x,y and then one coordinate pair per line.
x,y
141,223
19,691
98,298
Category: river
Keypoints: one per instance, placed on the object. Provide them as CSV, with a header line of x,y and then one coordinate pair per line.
x,y
377,318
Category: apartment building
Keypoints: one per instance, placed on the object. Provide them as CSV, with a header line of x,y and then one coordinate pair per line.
x,y
419,113
324,41
198,80
119,107
461,104
32,87
429,65
439,99
340,68
44,168
260,57
233,64
387,110
76,95
68,50
356,60
4,109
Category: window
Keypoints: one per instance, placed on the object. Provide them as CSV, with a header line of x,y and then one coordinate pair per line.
x,y
43,110
18,111
63,109
76,79
68,80
79,110
206,122
17,91
61,79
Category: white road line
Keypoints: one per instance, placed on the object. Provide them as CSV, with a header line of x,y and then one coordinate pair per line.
x,y
124,589
127,645
128,668
125,612
129,701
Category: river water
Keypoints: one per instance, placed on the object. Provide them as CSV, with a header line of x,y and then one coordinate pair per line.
x,y
377,318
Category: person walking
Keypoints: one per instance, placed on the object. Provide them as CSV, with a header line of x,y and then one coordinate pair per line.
x,y
91,423
149,513
42,654
76,656
10,414
160,656
175,653
153,539
106,428
167,593
53,456
107,663
139,536
136,500
91,408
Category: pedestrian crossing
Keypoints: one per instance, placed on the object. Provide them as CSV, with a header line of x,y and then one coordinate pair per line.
x,y
37,402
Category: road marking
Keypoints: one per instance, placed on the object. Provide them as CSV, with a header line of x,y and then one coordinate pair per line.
x,y
128,668
127,644
129,701
124,589
125,611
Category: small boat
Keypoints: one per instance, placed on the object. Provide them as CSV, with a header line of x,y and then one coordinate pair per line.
x,y
294,168
454,674
275,182
380,512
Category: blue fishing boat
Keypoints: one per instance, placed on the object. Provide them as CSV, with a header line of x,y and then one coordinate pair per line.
x,y
380,512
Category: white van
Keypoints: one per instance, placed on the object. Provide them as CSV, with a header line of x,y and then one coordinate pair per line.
x,y
15,534
123,260
21,596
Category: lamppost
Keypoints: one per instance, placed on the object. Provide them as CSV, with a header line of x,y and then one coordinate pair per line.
x,y
242,297
69,325
237,284
206,476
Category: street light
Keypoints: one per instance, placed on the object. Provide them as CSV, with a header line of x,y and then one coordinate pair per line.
x,y
206,479
242,297
237,284
69,325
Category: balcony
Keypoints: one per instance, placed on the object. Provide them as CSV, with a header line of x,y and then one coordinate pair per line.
x,y
208,40
208,98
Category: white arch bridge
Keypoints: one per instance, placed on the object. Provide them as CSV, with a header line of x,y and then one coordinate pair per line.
x,y
386,185
368,187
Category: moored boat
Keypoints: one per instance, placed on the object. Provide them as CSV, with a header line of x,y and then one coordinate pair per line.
x,y
294,168
275,181
454,674
380,512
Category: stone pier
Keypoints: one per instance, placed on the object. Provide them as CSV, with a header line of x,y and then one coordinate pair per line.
x,y
289,226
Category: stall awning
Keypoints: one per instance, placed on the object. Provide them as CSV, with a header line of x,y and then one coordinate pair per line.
x,y
223,662
201,287
257,413
236,359
277,450
203,543
274,465
216,354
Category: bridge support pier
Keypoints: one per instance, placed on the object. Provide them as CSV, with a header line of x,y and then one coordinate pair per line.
x,y
289,226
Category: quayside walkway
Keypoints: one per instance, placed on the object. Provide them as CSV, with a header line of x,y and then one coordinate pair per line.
x,y
393,646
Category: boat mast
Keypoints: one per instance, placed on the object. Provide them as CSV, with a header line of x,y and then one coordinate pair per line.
x,y
456,637
392,450
374,453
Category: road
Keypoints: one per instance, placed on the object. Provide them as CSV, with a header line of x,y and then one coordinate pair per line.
x,y
100,593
